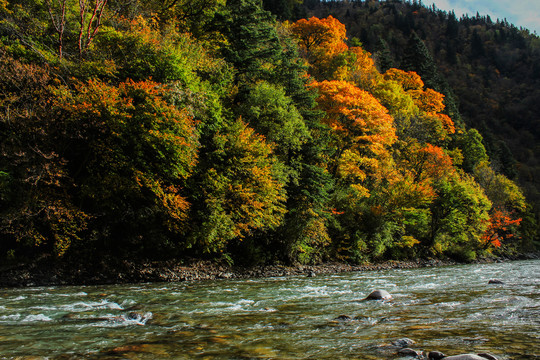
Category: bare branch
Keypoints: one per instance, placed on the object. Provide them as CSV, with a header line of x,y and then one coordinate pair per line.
x,y
88,30
58,21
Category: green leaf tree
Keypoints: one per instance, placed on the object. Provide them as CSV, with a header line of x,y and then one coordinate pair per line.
x,y
272,113
130,153
241,190
459,217
473,150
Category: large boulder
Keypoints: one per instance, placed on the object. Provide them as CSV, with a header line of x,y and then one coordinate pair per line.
x,y
379,295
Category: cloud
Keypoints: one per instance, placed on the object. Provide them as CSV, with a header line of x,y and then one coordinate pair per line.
x,y
522,13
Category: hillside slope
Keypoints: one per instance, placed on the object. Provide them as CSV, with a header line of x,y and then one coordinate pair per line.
x,y
489,67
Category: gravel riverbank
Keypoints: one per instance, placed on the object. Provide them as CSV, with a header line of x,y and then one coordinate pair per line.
x,y
47,272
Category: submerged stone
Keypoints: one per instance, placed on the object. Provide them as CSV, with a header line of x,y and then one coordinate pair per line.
x,y
343,318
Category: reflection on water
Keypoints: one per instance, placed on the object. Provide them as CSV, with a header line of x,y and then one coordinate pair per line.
x,y
449,309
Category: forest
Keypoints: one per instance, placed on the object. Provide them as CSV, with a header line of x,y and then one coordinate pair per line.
x,y
263,132
487,69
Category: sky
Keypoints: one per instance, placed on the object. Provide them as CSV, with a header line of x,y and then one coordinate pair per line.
x,y
521,13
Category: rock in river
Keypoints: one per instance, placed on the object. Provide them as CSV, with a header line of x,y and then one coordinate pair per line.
x,y
488,356
471,357
379,295
435,355
409,352
403,343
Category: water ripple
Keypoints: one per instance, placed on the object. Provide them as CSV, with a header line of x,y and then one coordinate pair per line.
x,y
450,309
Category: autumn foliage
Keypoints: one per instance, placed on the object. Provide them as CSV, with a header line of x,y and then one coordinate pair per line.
x,y
500,229
321,41
207,130
359,119
320,37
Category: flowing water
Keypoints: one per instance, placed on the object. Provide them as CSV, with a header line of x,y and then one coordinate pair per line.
x,y
449,309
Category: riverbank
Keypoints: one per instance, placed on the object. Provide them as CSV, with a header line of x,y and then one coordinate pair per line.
x,y
47,272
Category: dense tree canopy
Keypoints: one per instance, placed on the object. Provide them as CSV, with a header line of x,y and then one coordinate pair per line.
x,y
207,129
487,69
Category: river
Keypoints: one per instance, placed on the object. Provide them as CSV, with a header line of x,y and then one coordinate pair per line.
x,y
450,309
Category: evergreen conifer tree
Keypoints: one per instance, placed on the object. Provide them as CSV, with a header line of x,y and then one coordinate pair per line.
x,y
477,45
383,56
252,40
417,58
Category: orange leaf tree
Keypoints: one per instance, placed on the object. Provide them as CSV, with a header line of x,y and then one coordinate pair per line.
x,y
409,80
429,162
501,227
429,124
362,132
359,121
509,207
321,42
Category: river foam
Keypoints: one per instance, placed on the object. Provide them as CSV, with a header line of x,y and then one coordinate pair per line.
x,y
446,309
